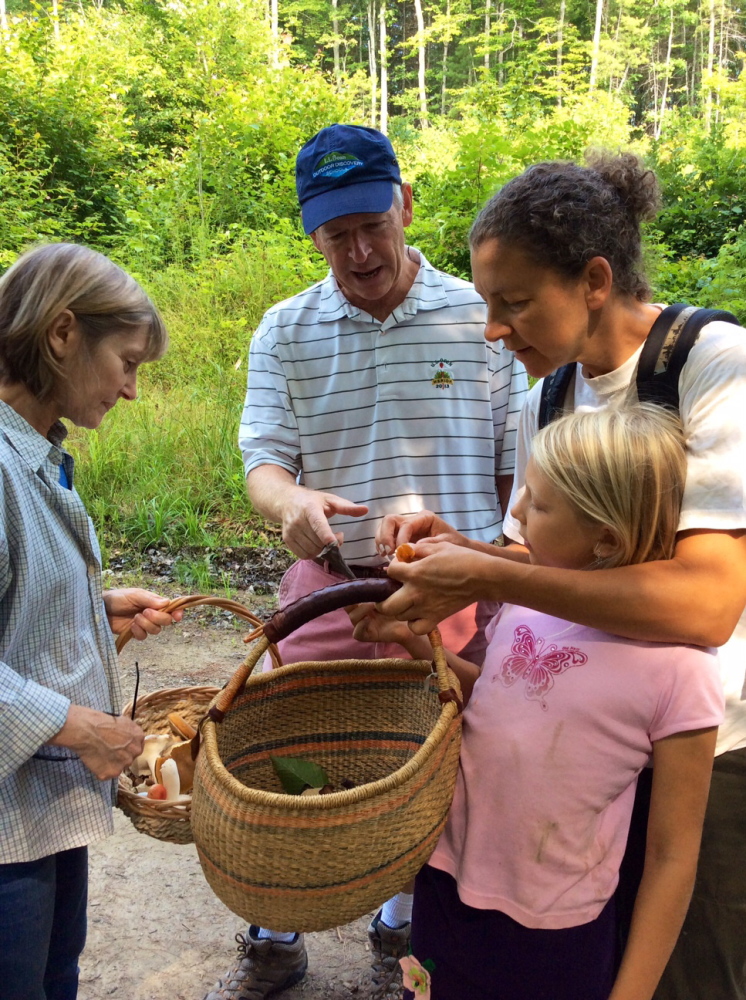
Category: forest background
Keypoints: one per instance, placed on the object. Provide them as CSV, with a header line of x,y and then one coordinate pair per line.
x,y
164,133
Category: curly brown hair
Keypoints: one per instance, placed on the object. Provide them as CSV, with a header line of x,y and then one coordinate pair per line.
x,y
562,214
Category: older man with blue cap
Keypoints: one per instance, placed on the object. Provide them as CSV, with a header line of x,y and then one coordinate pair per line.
x,y
373,392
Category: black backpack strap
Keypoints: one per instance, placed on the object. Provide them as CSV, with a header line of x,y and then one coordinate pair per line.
x,y
553,392
666,349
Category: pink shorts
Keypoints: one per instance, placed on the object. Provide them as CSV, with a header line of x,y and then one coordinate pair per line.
x,y
329,637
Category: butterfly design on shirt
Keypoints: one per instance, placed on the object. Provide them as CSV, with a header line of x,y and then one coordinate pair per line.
x,y
530,662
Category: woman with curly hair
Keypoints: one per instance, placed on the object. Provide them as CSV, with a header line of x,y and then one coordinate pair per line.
x,y
557,255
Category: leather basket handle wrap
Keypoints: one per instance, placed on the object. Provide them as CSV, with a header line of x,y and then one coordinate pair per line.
x,y
288,620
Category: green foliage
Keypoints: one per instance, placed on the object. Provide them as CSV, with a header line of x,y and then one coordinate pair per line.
x,y
234,175
165,134
714,282
457,169
24,203
162,134
703,178
196,574
167,469
212,308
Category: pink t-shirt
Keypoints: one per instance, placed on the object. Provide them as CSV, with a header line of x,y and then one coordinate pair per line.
x,y
560,723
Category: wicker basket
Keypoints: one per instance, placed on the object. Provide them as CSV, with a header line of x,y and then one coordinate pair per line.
x,y
309,863
165,820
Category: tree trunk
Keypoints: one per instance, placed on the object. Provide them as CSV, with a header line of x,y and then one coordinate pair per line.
x,y
500,20
421,62
723,49
55,19
596,45
666,76
710,66
372,62
444,72
560,42
274,27
693,71
384,72
3,17
335,44
616,42
487,31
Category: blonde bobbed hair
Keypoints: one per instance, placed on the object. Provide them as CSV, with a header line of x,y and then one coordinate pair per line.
x,y
48,279
624,468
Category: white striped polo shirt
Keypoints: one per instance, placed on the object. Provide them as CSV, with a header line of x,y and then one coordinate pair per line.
x,y
417,411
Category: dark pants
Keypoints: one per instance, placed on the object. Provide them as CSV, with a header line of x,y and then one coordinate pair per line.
x,y
484,954
709,960
43,926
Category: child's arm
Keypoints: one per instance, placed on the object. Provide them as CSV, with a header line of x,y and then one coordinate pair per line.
x,y
681,781
372,626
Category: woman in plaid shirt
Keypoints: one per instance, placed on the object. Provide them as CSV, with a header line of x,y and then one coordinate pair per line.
x,y
74,329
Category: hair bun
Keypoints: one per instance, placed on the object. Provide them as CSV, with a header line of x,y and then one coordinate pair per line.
x,y
636,185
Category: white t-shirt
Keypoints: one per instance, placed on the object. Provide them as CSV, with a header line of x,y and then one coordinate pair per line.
x,y
712,391
417,411
559,725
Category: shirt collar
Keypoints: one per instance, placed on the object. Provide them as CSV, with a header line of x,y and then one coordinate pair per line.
x,y
33,447
426,293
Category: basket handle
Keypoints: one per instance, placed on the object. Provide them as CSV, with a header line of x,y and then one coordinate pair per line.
x,y
205,599
284,622
320,602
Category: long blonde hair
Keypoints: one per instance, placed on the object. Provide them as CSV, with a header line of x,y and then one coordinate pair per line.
x,y
48,279
621,467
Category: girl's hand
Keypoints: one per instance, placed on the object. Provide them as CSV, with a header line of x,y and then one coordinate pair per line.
x,y
395,529
441,580
371,626
139,608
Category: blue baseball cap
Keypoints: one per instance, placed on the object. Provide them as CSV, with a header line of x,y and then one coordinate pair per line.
x,y
343,170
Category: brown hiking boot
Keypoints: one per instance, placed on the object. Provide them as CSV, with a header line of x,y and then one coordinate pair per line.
x,y
264,968
387,946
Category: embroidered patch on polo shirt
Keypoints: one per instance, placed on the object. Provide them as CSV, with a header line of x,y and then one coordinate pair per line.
x,y
443,377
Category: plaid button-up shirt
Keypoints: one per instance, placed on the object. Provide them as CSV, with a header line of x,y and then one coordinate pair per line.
x,y
56,648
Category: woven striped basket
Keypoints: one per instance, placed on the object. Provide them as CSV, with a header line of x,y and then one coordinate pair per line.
x,y
393,727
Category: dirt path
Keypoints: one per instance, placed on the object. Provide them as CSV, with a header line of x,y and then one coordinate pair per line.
x,y
156,930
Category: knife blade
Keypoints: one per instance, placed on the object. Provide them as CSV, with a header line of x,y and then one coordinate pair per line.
x,y
332,555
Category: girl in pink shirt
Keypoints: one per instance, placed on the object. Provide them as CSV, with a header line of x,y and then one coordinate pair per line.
x,y
517,901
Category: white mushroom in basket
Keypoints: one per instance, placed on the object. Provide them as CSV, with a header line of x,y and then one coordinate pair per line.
x,y
154,747
181,755
168,776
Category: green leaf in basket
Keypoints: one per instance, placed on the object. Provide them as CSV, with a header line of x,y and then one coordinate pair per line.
x,y
295,774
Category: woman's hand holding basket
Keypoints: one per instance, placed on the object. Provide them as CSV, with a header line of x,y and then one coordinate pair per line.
x,y
141,611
